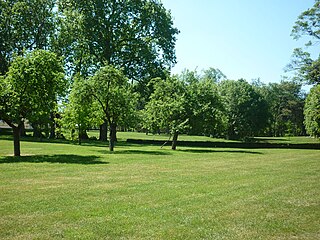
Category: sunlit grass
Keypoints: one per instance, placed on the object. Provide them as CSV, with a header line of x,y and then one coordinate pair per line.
x,y
59,190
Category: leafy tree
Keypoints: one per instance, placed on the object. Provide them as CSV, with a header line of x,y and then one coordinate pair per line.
x,y
307,69
214,74
307,24
24,26
137,36
246,109
80,112
285,101
167,107
30,90
312,112
111,91
203,102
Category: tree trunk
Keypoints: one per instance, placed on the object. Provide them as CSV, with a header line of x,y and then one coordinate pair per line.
x,y
52,134
175,140
103,132
16,140
23,130
36,131
113,136
79,135
82,134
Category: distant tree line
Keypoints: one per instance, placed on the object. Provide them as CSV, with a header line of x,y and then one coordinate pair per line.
x,y
69,66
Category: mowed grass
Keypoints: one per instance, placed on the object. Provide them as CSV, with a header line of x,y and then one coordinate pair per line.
x,y
66,191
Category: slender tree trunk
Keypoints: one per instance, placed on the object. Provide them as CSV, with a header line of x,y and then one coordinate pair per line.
x,y
36,131
84,134
103,132
23,130
79,135
113,136
52,134
175,140
16,140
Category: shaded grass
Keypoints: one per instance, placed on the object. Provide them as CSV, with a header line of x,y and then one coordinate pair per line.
x,y
145,192
60,158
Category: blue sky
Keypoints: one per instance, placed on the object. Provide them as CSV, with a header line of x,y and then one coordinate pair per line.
x,y
243,38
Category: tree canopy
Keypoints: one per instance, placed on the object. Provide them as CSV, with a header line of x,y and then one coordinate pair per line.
x,y
307,25
24,26
111,91
167,107
246,110
30,89
312,112
137,36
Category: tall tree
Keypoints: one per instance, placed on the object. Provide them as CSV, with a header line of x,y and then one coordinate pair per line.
x,y
285,101
111,91
24,26
30,90
312,112
137,36
307,25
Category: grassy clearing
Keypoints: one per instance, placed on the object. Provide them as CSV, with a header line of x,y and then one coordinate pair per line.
x,y
143,192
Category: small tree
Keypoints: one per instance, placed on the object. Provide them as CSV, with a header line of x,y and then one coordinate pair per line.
x,y
166,108
80,112
30,90
111,91
312,112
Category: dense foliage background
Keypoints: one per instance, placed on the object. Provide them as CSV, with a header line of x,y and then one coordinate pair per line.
x,y
70,66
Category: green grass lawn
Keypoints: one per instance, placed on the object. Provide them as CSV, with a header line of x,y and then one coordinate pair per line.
x,y
123,136
59,190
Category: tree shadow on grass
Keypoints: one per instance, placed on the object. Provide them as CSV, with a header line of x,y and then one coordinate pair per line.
x,y
58,158
217,151
143,152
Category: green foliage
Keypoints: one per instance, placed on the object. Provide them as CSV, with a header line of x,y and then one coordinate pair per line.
x,y
214,75
285,101
246,110
110,89
80,112
203,103
24,26
136,36
113,96
32,85
308,24
31,89
204,107
307,69
166,109
312,112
